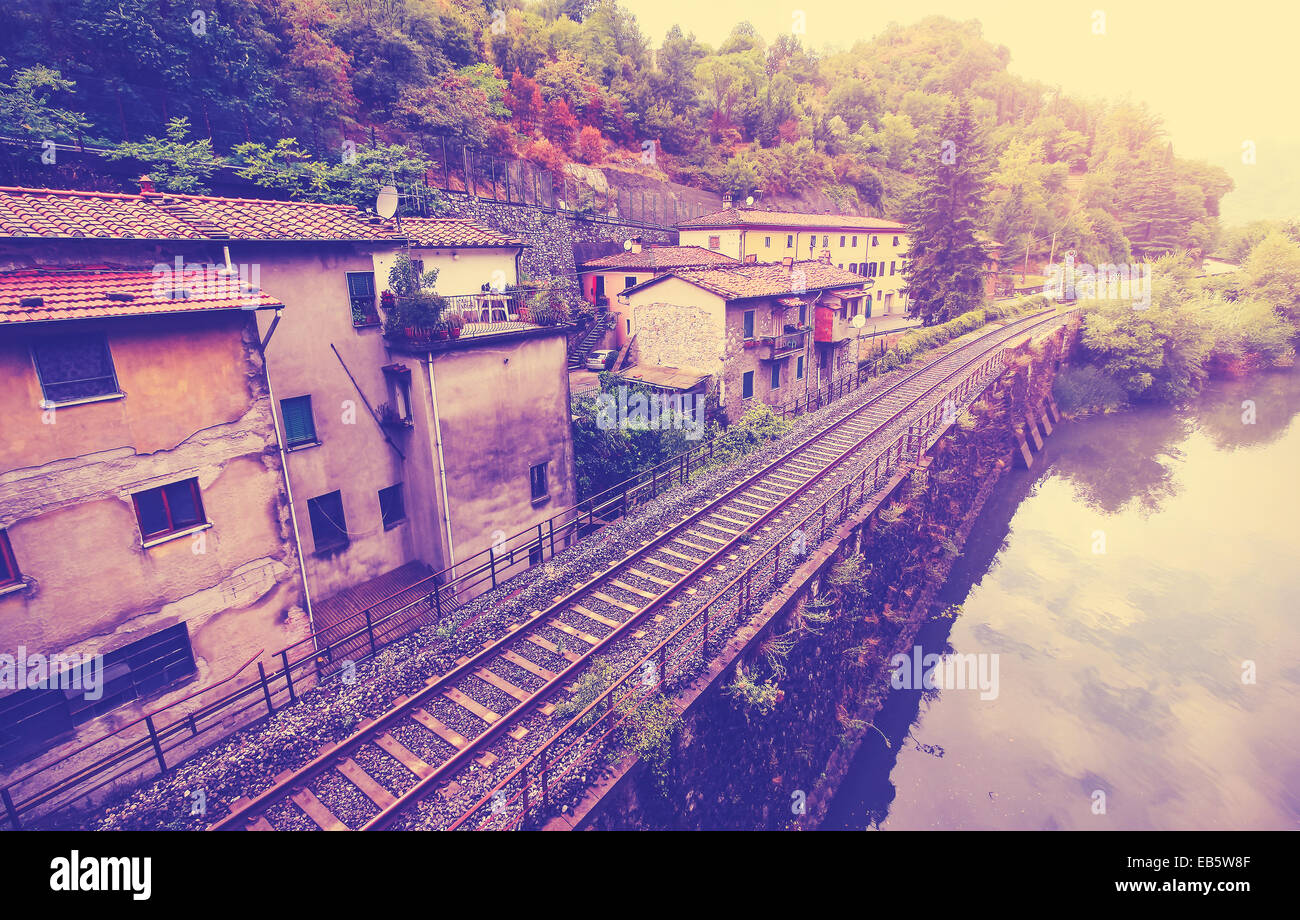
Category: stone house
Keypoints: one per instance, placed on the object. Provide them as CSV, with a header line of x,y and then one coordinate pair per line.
x,y
750,325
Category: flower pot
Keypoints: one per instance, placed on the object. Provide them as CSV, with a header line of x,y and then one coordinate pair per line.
x,y
454,332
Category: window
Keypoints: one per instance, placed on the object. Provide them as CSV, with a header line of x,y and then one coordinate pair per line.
x,y
168,509
826,241
747,385
789,241
841,265
767,242
776,376
855,241
875,241
361,293
798,369
9,574
30,719
392,507
715,242
812,243
803,314
868,313
749,324
299,426
895,241
841,241
600,285
891,267
537,481
329,528
629,281
72,368
629,326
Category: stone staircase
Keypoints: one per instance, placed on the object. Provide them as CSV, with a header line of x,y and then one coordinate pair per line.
x,y
582,346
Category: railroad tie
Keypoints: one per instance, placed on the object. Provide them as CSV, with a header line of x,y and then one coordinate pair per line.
x,y
593,615
529,666
443,731
473,705
502,684
403,755
358,777
576,633
554,649
315,809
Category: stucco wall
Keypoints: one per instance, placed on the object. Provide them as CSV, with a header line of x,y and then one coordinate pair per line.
x,y
460,271
502,408
195,405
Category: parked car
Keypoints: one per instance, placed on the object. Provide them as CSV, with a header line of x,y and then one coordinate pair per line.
x,y
601,360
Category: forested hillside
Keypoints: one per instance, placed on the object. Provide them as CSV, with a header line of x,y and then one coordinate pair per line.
x,y
289,89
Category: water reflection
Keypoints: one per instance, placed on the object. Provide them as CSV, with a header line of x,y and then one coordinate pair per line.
x,y
1120,671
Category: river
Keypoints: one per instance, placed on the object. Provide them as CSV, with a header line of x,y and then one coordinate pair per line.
x,y
1130,585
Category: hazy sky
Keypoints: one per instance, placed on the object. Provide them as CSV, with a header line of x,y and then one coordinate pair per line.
x,y
1219,74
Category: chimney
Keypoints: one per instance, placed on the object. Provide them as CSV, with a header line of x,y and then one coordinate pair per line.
x,y
636,244
726,201
787,262
751,258
146,186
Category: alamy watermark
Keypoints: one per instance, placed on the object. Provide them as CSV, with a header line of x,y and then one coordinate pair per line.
x,y
194,280
1070,280
639,411
920,671
64,671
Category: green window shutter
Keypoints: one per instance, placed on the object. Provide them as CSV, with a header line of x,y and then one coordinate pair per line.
x,y
299,428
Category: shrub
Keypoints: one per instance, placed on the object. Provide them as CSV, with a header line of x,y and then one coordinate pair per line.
x,y
1085,388
591,146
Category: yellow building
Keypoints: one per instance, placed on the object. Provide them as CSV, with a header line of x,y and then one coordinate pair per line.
x,y
868,246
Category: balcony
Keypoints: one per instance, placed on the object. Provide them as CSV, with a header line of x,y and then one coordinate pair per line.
x,y
774,347
475,316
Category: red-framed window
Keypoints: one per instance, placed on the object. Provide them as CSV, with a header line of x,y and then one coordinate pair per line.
x,y
168,509
9,574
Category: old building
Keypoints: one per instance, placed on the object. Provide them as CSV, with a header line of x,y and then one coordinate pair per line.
x,y
143,515
750,325
603,278
867,246
406,450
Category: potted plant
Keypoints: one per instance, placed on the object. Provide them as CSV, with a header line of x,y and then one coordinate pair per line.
x,y
455,323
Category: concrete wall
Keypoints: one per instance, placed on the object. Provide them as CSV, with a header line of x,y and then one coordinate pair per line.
x,y
195,406
502,406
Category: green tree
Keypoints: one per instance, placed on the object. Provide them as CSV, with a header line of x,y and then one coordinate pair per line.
x,y
945,268
175,163
27,109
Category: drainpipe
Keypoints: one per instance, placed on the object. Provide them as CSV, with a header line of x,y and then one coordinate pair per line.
x,y
442,465
284,470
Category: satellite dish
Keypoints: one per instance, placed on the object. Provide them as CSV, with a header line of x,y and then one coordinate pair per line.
x,y
386,202
858,321
627,244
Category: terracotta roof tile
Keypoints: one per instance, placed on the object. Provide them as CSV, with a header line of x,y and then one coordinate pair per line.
x,y
766,279
749,217
428,232
36,295
60,213
662,257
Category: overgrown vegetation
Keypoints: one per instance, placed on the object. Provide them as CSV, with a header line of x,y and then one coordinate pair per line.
x,y
1193,328
315,98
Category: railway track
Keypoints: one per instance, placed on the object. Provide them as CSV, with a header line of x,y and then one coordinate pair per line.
x,y
458,715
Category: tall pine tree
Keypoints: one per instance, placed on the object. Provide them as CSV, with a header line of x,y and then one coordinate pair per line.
x,y
945,268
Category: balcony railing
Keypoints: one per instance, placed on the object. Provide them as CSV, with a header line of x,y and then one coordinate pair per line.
x,y
489,313
779,346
